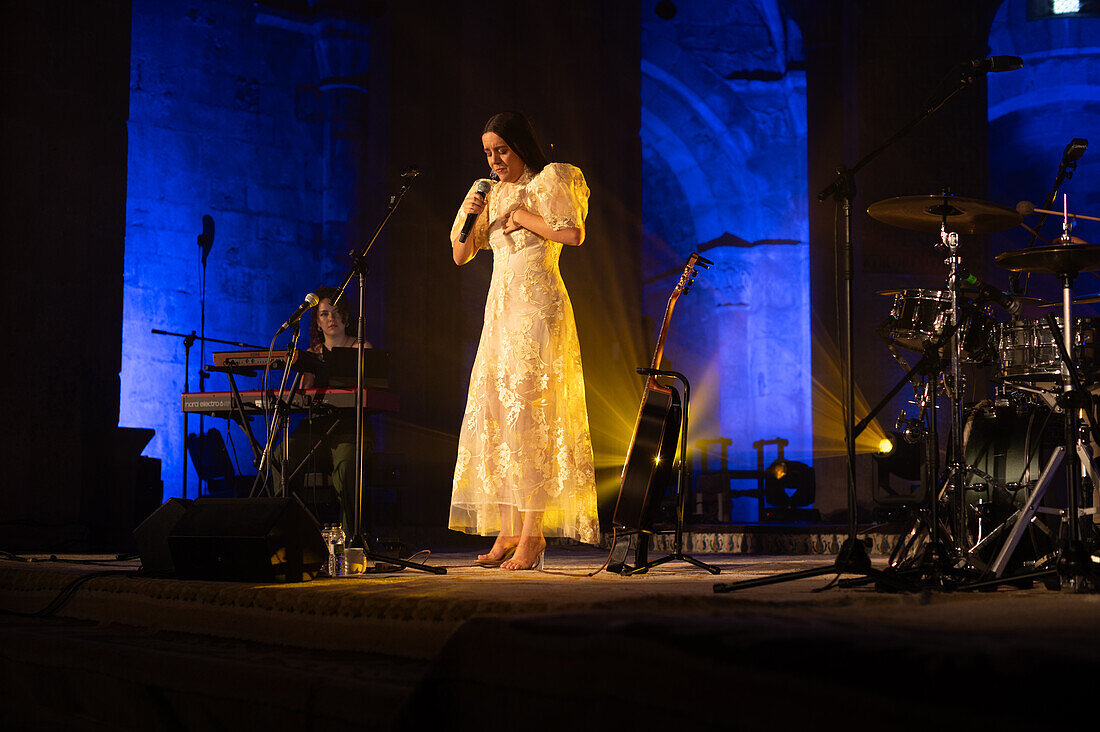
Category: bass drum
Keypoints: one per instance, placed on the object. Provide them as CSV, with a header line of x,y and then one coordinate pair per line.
x,y
1008,446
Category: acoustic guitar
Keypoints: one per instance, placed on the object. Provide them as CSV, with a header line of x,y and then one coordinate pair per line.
x,y
653,447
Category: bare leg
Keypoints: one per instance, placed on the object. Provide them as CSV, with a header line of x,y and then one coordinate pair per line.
x,y
507,538
531,543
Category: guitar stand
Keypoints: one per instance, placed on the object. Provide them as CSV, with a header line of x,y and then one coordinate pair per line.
x,y
683,482
628,539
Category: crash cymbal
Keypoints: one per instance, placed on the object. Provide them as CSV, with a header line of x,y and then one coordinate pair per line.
x,y
926,213
1063,259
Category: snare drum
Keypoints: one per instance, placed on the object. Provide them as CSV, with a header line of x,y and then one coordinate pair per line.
x,y
1026,350
920,316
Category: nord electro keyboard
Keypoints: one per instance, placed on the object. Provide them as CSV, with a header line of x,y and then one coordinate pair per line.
x,y
299,360
220,403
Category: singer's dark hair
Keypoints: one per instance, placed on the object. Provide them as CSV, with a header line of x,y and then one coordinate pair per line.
x,y
515,129
316,337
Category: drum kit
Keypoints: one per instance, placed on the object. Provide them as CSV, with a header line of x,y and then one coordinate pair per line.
x,y
995,514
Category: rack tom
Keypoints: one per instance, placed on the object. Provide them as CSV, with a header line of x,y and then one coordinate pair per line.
x,y
920,316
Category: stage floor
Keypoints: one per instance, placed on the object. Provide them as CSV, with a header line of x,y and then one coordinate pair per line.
x,y
408,649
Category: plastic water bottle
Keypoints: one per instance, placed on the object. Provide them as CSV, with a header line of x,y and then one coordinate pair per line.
x,y
336,552
333,535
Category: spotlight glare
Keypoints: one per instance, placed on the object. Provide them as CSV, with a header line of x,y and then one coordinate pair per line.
x,y
1062,7
885,446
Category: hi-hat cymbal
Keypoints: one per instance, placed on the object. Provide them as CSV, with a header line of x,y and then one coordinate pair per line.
x,y
1067,259
894,292
1080,300
971,292
926,213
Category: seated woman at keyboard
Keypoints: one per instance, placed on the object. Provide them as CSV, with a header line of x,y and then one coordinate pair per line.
x,y
331,326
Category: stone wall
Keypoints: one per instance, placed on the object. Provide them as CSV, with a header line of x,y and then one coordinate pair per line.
x,y
724,155
251,116
1033,114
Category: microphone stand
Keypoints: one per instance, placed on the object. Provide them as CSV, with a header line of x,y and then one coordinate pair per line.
x,y
852,558
206,243
1065,172
359,268
188,341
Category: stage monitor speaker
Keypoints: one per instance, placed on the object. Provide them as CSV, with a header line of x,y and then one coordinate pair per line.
x,y
247,540
151,536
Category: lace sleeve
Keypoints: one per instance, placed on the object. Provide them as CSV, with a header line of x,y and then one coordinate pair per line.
x,y
559,195
480,233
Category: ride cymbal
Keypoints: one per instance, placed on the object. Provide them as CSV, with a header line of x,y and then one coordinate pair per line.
x,y
927,213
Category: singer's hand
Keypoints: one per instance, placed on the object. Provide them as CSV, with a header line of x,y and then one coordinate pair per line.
x,y
474,204
510,224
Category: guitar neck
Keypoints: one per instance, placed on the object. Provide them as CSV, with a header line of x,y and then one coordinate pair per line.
x,y
659,351
685,281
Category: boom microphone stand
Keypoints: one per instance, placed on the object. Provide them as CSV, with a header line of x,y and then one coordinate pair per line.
x,y
852,557
1073,152
189,341
359,268
206,242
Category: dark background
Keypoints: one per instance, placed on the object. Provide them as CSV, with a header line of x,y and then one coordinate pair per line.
x,y
436,72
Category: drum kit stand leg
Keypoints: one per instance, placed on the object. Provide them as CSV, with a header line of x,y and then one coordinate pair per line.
x,y
938,548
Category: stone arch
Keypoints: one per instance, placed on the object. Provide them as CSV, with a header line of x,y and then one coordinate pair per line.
x,y
1035,111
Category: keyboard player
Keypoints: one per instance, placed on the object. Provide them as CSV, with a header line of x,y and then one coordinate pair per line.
x,y
330,327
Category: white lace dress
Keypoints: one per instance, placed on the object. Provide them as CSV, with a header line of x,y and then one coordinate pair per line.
x,y
525,442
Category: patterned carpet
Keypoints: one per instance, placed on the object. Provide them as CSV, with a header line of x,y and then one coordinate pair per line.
x,y
408,649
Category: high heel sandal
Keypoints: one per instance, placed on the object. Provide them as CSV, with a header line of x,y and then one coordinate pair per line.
x,y
538,564
493,563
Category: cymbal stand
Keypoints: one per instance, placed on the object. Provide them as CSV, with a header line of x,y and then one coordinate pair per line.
x,y
957,469
1075,565
922,541
935,559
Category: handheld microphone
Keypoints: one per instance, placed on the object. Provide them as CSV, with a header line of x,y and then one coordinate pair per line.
x,y
482,189
310,301
989,293
994,64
